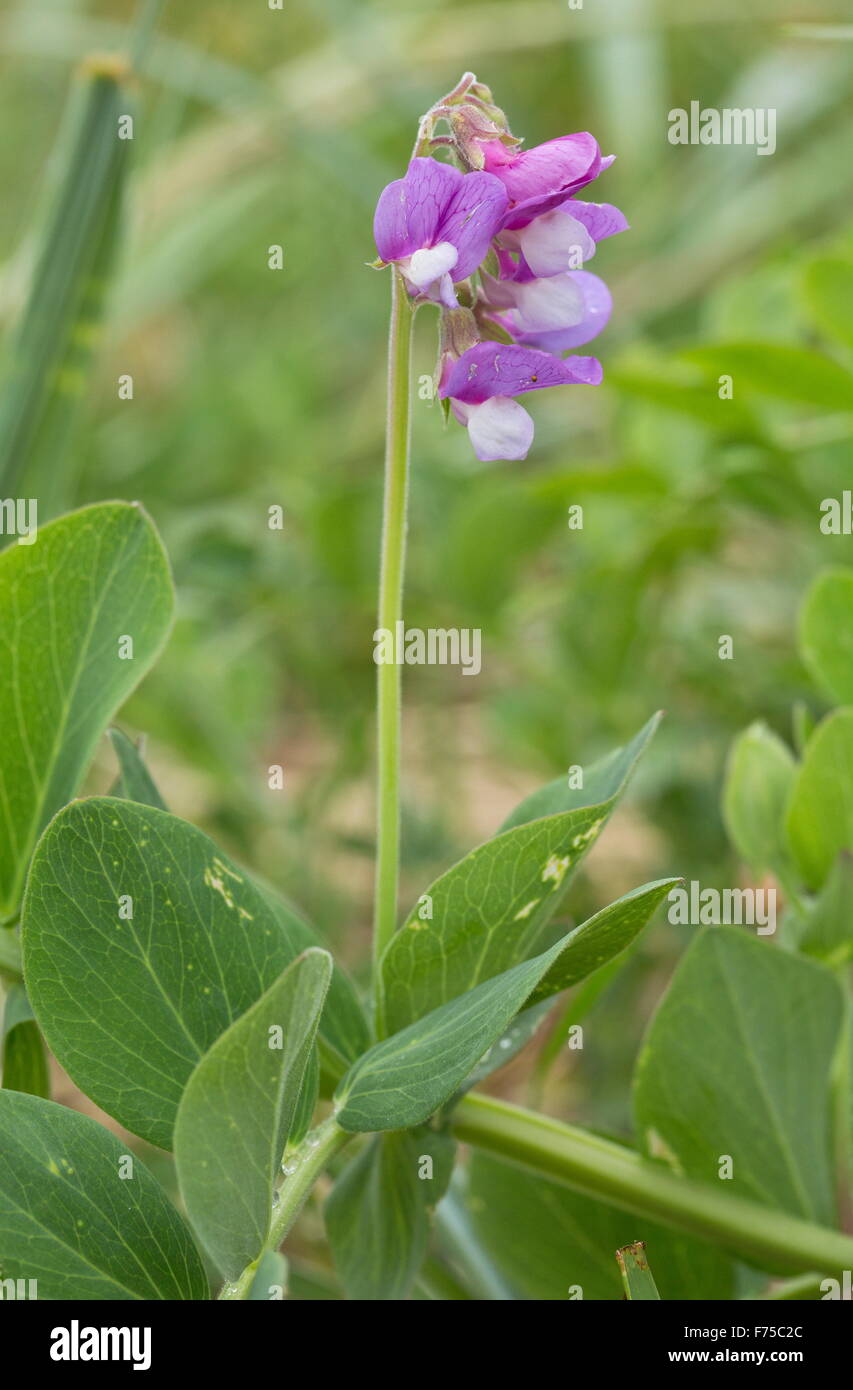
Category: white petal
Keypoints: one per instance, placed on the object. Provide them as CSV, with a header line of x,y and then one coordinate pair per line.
x,y
499,429
427,266
546,305
555,242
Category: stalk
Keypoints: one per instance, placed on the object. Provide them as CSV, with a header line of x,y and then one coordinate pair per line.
x,y
388,686
310,1159
601,1169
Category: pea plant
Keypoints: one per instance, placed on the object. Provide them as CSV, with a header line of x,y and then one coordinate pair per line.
x,y
191,1002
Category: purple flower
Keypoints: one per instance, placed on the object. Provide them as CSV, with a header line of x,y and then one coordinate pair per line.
x,y
436,225
559,240
481,386
556,314
539,179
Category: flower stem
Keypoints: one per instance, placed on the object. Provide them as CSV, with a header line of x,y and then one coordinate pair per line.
x,y
398,430
309,1161
601,1169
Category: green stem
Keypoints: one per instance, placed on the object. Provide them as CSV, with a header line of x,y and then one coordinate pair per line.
x,y
398,430
309,1159
601,1169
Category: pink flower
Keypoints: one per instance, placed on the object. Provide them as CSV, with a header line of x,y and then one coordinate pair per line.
x,y
481,386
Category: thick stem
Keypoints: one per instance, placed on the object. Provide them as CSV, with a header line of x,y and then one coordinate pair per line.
x,y
398,431
309,1160
598,1168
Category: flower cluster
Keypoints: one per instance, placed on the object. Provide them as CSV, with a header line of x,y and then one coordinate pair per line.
x,y
512,218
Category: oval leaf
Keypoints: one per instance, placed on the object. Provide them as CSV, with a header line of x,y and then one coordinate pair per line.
x,y
492,909
737,1063
70,601
237,1111
130,1004
79,1219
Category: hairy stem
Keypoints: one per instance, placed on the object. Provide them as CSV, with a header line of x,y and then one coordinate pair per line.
x,y
309,1160
598,1168
398,432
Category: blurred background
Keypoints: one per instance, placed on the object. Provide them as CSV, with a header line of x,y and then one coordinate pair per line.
x,y
253,387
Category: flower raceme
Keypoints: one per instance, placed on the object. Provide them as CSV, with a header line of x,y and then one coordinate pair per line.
x,y
507,235
436,225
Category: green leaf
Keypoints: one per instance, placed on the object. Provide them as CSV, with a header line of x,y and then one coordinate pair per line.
x,y
400,1082
493,908
552,1244
134,781
90,579
307,1103
24,1058
344,1032
129,1006
820,808
828,933
377,1216
603,781
237,1110
828,289
53,345
737,1062
759,774
270,1281
82,1216
602,937
774,369
826,632
637,1277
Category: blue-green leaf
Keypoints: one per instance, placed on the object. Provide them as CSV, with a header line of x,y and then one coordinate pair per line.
x,y
237,1111
82,1216
71,601
732,1083
400,1082
377,1217
129,1004
493,909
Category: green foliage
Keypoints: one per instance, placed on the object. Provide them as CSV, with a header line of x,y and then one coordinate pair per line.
x,y
82,1216
131,1033
552,1244
758,781
61,323
134,781
377,1216
403,1080
724,1074
820,810
24,1061
826,632
237,1111
93,581
700,514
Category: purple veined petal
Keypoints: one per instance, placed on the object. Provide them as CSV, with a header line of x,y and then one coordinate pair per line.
x,y
600,219
539,179
498,428
595,306
555,242
410,209
471,219
495,369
